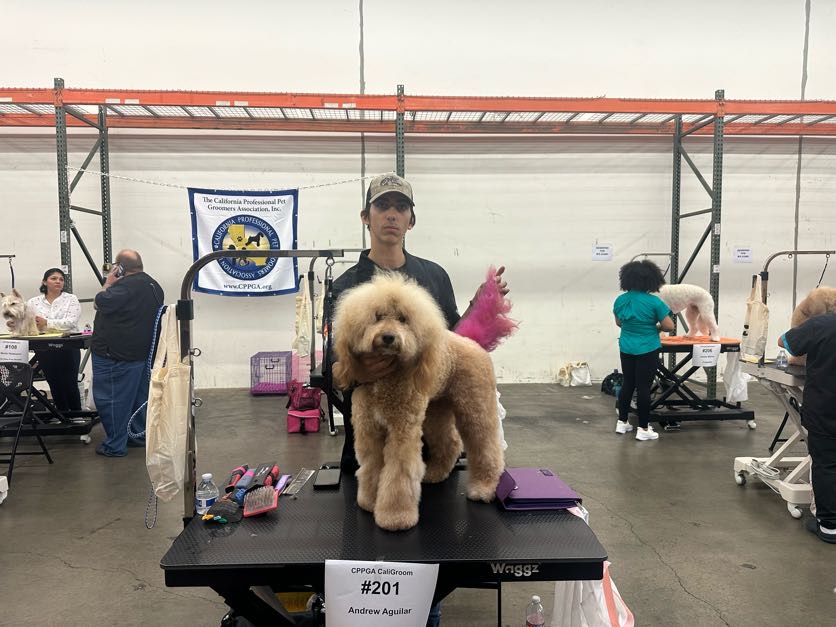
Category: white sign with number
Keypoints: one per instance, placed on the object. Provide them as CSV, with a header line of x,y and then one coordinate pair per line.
x,y
705,355
378,594
14,350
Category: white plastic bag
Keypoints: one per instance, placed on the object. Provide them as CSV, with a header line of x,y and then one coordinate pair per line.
x,y
169,409
735,380
580,374
590,604
574,373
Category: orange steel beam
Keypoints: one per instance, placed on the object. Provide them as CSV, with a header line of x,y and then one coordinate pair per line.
x,y
416,103
368,126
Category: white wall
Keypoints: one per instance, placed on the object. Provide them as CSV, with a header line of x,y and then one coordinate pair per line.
x,y
535,204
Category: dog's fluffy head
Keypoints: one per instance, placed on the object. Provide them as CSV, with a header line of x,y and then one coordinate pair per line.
x,y
13,308
820,301
391,315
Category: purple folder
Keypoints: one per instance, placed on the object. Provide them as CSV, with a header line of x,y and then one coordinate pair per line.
x,y
534,488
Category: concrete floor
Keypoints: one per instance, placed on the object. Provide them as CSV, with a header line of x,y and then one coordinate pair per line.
x,y
688,546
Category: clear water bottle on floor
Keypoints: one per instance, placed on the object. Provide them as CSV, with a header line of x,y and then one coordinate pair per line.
x,y
206,495
534,615
781,360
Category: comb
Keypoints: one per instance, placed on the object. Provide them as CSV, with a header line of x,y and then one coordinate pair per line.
x,y
260,501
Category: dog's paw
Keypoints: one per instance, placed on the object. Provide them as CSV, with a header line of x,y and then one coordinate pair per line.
x,y
366,499
396,520
435,475
481,492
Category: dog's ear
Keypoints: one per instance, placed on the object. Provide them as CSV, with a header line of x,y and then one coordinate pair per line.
x,y
426,370
346,367
16,293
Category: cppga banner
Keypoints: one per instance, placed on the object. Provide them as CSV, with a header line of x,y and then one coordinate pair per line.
x,y
240,220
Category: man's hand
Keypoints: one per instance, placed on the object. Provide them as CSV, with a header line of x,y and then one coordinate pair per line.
x,y
501,284
376,367
111,276
41,322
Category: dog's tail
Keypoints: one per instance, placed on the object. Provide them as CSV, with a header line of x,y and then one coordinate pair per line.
x,y
487,323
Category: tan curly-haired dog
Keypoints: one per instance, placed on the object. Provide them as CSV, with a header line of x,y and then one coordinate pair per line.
x,y
820,301
444,389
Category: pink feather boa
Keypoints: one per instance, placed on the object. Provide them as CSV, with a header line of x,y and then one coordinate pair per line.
x,y
487,323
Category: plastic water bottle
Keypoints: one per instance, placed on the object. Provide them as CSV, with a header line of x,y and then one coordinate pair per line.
x,y
534,616
206,495
781,359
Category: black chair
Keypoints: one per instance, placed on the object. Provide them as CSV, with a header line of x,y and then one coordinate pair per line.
x,y
16,392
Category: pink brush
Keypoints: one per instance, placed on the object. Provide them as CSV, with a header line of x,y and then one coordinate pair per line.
x,y
487,322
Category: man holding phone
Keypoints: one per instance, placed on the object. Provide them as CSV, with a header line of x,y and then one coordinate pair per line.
x,y
126,311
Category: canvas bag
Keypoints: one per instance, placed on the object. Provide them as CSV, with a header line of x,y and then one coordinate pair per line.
x,y
169,408
302,338
301,397
756,325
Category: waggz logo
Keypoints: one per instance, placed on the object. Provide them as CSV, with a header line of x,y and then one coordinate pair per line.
x,y
518,570
246,232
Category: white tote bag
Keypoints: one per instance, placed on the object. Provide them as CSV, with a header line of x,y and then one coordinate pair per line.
x,y
302,339
756,325
169,407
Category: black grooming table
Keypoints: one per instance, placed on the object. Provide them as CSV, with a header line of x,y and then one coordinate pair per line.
x,y
674,401
51,420
474,544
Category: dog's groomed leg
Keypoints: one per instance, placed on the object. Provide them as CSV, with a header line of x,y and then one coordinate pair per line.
x,y
443,441
369,440
478,424
399,489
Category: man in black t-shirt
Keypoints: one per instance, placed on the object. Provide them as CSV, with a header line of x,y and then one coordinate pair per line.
x,y
388,214
123,329
816,339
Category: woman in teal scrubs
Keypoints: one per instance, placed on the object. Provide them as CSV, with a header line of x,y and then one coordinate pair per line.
x,y
641,315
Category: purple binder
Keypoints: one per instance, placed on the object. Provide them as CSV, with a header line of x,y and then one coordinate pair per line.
x,y
534,488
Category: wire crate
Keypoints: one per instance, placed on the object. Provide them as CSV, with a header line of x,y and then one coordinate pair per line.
x,y
270,372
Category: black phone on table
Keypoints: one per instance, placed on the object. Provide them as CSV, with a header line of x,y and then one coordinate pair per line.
x,y
327,479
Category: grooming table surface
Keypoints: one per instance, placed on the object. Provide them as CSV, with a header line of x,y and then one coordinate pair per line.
x,y
473,543
687,342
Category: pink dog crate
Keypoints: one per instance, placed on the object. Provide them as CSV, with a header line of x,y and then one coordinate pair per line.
x,y
303,420
270,372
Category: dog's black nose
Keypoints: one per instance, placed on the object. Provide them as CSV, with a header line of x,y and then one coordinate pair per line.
x,y
387,338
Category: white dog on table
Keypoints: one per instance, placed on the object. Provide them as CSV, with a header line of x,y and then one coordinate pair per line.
x,y
696,304
19,320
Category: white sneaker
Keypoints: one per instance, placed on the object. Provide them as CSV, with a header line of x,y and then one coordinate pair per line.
x,y
623,427
646,434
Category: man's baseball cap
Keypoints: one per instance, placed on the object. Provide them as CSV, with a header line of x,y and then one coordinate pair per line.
x,y
389,182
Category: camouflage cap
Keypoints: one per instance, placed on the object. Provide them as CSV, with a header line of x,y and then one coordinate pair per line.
x,y
389,182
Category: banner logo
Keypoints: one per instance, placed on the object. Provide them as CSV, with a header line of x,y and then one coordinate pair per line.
x,y
244,232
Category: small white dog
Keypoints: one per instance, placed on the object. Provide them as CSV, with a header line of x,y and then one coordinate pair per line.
x,y
697,305
19,320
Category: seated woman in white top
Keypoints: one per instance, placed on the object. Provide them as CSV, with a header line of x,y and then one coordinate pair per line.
x,y
57,310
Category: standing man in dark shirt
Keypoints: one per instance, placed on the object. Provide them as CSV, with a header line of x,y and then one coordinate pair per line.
x,y
126,310
816,338
388,214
